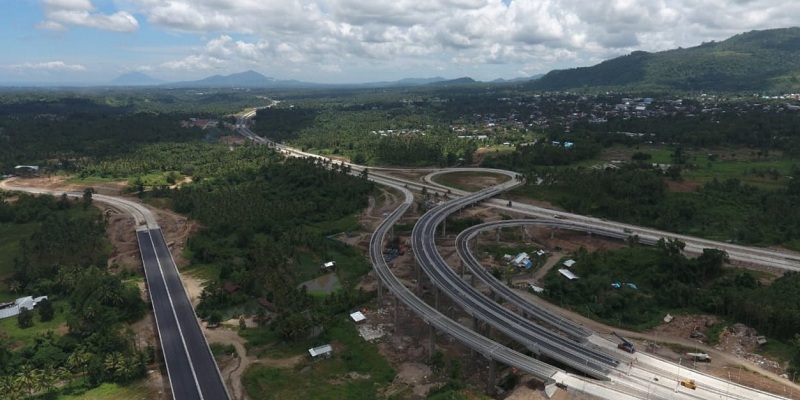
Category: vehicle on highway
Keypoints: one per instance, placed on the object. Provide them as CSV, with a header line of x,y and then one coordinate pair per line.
x,y
689,384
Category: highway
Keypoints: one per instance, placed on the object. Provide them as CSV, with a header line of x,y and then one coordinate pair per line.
x,y
537,338
192,371
646,366
430,315
622,386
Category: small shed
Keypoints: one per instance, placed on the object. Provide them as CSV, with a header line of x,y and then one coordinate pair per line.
x,y
536,289
568,274
358,317
328,266
324,351
569,263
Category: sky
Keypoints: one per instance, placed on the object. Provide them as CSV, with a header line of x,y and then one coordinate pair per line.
x,y
353,41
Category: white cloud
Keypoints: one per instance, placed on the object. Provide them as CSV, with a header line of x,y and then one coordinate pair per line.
x,y
357,35
48,66
61,14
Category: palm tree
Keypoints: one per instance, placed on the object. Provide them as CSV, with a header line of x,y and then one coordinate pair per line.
x,y
47,379
79,360
15,286
26,379
10,388
114,362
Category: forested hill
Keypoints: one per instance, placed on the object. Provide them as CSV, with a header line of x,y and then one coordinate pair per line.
x,y
755,61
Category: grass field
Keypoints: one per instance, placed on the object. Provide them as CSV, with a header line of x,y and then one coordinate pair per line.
x,y
111,391
28,336
470,181
325,379
703,165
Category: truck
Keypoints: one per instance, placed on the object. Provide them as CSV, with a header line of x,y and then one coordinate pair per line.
x,y
625,345
627,230
689,384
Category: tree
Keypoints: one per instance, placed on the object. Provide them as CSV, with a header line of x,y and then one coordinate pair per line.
x,y
87,197
25,318
46,311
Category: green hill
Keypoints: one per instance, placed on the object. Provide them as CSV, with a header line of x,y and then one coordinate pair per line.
x,y
752,61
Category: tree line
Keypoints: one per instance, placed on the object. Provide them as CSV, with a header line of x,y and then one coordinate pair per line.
x,y
65,259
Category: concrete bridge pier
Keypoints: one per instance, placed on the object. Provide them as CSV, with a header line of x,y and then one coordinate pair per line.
x,y
396,311
497,235
490,384
432,346
444,227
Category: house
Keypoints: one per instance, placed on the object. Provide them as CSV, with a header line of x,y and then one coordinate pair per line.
x,y
520,259
568,274
358,317
231,287
13,308
324,351
266,304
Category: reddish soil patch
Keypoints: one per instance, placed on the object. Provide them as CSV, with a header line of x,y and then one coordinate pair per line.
x,y
683,186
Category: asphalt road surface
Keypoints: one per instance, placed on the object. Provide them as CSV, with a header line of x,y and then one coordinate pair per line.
x,y
191,367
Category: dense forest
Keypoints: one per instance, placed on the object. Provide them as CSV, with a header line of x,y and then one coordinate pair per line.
x,y
665,280
260,222
65,258
753,61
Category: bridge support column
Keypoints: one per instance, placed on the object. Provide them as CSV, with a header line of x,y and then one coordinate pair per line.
x,y
492,377
419,278
396,311
380,293
475,250
444,228
472,279
497,235
436,298
432,347
552,233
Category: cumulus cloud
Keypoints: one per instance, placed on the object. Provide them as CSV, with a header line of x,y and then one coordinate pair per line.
x,y
357,34
48,66
60,14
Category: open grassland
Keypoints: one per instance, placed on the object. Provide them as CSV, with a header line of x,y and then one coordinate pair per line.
x,y
355,371
27,336
470,181
138,390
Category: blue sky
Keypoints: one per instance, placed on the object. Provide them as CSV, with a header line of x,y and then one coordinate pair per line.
x,y
347,41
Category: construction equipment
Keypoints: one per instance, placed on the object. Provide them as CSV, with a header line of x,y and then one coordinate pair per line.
x,y
689,384
702,357
625,345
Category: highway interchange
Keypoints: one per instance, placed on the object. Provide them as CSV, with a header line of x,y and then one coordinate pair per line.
x,y
193,373
638,377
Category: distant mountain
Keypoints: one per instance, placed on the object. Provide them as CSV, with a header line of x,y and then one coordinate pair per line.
x,y
451,82
242,79
251,79
752,61
520,79
134,79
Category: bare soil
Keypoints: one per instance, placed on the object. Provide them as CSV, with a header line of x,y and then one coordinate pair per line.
x,y
683,186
